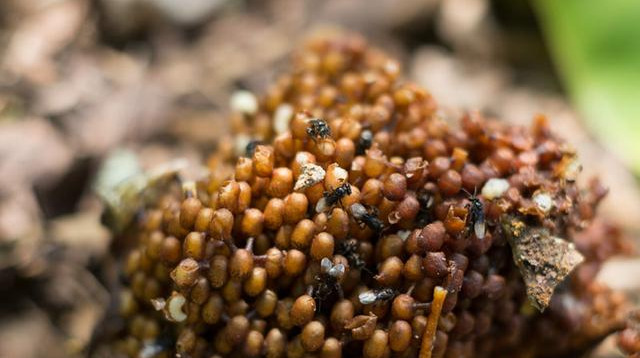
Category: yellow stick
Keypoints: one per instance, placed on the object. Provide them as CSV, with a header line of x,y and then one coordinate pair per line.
x,y
439,294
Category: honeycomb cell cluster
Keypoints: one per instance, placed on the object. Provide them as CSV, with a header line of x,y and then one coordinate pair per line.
x,y
345,217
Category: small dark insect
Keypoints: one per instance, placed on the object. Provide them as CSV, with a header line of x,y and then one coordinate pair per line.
x,y
318,128
364,142
363,217
372,296
330,198
251,148
337,193
327,287
426,201
476,215
349,249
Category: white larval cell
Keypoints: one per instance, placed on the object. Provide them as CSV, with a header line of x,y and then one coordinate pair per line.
x,y
240,144
174,308
572,169
543,201
494,188
244,102
281,118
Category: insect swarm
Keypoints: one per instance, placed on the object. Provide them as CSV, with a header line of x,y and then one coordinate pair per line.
x,y
243,263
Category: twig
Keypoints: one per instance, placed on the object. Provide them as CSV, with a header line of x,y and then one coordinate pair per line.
x,y
439,294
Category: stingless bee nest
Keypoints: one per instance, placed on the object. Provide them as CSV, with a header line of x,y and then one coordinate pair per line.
x,y
358,222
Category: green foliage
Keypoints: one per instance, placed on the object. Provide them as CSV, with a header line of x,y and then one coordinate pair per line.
x,y
596,47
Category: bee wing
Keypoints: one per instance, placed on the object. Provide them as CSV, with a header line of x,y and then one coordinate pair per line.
x,y
337,270
358,210
479,228
367,297
325,265
321,205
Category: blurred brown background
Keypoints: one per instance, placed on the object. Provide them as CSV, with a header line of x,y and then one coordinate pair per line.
x,y
80,78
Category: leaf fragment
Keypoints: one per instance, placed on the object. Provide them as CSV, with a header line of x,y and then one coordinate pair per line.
x,y
544,260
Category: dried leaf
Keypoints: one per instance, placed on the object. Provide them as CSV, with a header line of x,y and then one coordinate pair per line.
x,y
544,260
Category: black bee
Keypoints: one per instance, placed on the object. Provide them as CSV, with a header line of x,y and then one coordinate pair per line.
x,y
372,296
251,148
364,142
426,201
338,193
475,217
363,217
327,287
330,198
318,128
349,249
